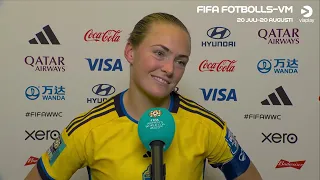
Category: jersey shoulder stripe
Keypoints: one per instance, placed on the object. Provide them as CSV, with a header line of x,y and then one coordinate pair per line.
x,y
92,111
98,111
194,107
202,108
103,113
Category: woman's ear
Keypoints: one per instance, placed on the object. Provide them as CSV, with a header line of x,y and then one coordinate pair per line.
x,y
129,53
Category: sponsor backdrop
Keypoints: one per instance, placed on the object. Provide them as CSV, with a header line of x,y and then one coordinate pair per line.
x,y
256,66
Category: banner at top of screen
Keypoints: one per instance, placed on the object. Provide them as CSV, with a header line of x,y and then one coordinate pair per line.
x,y
245,9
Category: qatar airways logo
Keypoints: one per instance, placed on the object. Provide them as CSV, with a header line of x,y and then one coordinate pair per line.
x,y
280,35
244,9
106,36
222,66
46,63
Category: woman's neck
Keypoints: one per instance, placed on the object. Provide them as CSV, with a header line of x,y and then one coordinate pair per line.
x,y
137,102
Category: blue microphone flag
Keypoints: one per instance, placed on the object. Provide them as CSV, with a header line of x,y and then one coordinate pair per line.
x,y
156,124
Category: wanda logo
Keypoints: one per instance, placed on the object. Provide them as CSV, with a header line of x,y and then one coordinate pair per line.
x,y
31,160
286,164
106,36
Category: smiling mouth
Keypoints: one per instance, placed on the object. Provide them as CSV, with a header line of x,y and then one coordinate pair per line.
x,y
160,80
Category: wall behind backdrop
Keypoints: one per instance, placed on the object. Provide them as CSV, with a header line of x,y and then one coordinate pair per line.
x,y
263,81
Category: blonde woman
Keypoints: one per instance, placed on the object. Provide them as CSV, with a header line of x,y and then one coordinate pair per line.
x,y
105,139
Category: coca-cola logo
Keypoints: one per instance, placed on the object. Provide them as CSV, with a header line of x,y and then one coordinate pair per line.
x,y
222,66
31,160
295,164
107,36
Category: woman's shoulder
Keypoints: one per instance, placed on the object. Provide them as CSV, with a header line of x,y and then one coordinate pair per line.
x,y
96,116
195,110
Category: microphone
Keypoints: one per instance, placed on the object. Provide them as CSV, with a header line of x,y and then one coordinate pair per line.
x,y
156,130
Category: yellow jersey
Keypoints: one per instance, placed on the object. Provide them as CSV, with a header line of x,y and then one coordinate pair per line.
x,y
105,140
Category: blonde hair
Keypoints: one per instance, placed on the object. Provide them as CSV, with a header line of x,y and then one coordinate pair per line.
x,y
141,29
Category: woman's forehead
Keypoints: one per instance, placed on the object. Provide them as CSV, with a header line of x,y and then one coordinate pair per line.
x,y
168,35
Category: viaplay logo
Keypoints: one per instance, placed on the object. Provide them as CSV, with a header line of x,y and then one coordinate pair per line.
x,y
280,35
218,34
47,93
278,66
307,12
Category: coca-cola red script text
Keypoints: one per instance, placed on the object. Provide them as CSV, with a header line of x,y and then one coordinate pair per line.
x,y
223,66
295,164
31,160
107,36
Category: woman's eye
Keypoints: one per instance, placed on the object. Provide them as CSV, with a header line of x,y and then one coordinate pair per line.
x,y
182,63
159,53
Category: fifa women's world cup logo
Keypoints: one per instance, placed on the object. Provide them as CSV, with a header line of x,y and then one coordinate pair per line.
x,y
155,113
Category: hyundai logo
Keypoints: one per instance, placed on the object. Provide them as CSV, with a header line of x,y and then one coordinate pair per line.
x,y
103,89
218,33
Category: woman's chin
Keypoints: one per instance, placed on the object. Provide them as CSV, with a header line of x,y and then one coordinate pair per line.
x,y
158,93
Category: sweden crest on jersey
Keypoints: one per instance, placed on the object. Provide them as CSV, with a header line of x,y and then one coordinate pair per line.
x,y
146,175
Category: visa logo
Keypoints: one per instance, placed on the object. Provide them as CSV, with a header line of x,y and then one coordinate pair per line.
x,y
219,94
104,64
